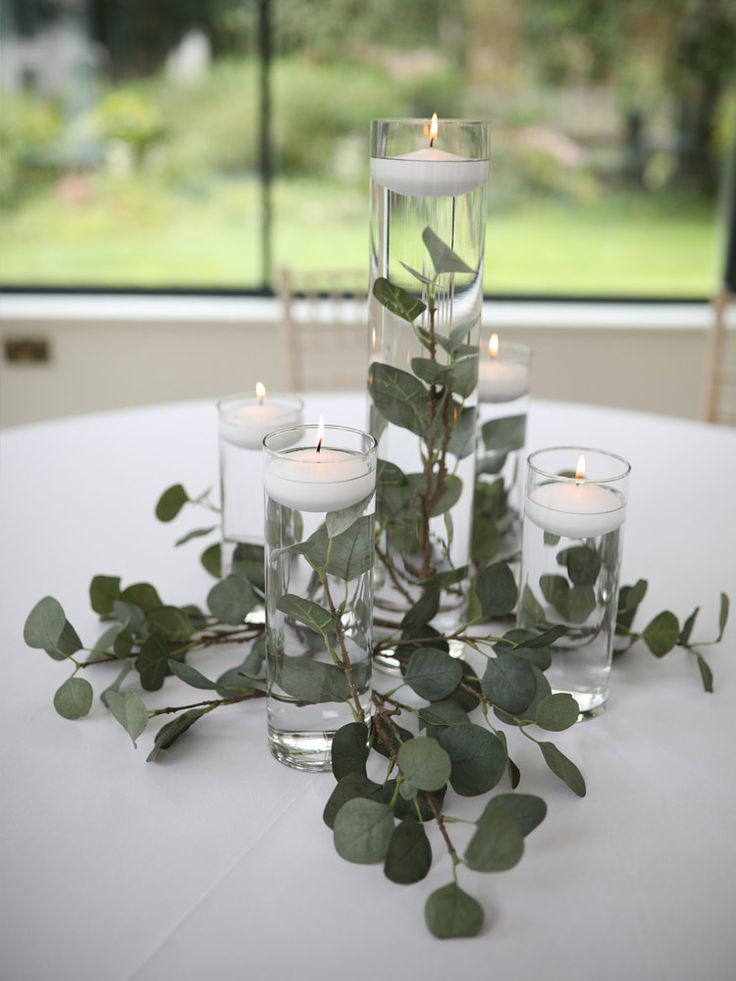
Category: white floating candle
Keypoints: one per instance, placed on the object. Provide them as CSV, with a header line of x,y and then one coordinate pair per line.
x,y
319,479
501,380
250,419
429,173
576,508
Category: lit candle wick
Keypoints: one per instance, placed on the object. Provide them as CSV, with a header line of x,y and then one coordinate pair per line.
x,y
580,470
320,433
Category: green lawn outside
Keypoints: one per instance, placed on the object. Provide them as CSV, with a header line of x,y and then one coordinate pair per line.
x,y
137,231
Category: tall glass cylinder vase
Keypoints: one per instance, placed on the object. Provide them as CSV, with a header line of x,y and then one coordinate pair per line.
x,y
503,402
427,237
320,502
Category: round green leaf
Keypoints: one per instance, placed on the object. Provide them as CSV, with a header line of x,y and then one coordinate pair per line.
x,y
496,590
497,844
526,809
662,633
363,830
129,710
478,758
350,749
409,855
563,768
349,787
103,591
74,699
509,682
171,502
433,674
231,600
557,712
425,763
450,912
44,625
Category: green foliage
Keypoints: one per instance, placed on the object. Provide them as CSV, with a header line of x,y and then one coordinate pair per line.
x,y
129,710
73,699
450,912
424,763
170,503
497,844
363,830
433,674
409,854
129,117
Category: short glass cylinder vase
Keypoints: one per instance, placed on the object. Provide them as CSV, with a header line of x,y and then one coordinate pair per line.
x,y
574,513
320,503
504,374
427,237
243,421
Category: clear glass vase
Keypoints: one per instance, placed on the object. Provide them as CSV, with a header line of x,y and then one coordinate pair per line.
x,y
574,513
500,463
320,503
427,236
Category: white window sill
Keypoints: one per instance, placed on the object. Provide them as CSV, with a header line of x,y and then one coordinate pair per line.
x,y
116,308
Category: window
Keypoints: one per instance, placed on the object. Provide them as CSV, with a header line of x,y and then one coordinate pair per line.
x,y
133,150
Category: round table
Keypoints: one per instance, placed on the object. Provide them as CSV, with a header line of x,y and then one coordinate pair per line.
x,y
215,862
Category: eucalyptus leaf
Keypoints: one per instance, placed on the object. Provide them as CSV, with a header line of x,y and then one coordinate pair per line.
x,y
248,561
582,563
400,397
450,912
509,682
505,434
189,675
103,591
444,713
497,844
142,594
563,768
687,628
424,763
350,750
462,439
194,533
305,611
347,556
169,622
363,830
423,611
478,758
44,626
706,675
171,502
432,674
129,710
409,855
722,616
629,599
397,300
444,259
73,699
496,590
211,559
168,734
231,600
107,639
337,522
153,663
347,788
526,809
417,275
313,681
662,633
557,712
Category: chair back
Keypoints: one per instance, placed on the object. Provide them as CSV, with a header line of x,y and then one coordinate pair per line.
x,y
325,326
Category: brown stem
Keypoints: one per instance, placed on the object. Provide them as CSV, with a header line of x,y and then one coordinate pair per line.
x,y
441,825
344,651
393,574
246,696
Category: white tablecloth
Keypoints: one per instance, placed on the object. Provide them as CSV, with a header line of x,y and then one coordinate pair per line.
x,y
215,862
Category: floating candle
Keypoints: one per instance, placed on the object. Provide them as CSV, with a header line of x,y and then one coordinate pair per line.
x,y
319,478
502,377
244,421
576,508
430,172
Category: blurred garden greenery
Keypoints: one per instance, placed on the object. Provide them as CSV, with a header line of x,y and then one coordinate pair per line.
x,y
154,181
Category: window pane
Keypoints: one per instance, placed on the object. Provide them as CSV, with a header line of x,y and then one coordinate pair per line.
x,y
610,127
128,144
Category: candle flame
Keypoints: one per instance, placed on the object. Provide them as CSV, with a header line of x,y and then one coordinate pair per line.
x,y
433,129
580,469
320,433
493,345
260,392
373,338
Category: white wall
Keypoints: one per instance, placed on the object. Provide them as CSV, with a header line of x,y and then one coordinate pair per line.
x,y
110,352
